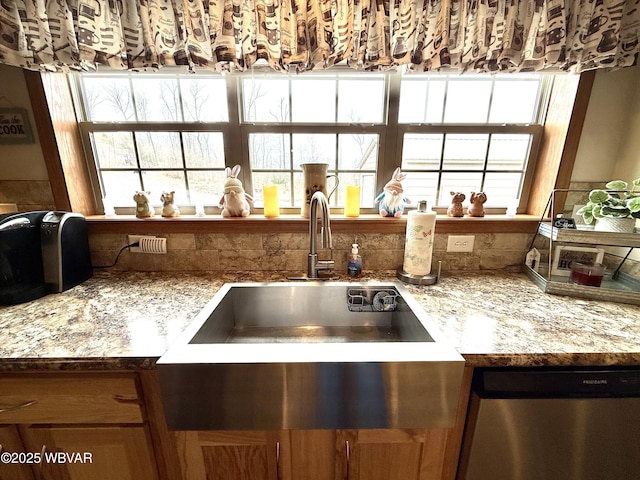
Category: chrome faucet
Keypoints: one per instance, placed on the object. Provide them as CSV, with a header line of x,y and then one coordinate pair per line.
x,y
313,264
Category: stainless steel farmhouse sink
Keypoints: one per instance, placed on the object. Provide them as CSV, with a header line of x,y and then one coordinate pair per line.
x,y
310,355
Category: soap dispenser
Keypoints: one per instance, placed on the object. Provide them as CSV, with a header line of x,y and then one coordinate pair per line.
x,y
354,266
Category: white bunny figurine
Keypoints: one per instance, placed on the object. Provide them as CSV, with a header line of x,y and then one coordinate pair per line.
x,y
392,200
235,202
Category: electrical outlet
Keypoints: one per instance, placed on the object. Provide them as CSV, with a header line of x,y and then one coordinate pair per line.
x,y
460,243
147,244
134,239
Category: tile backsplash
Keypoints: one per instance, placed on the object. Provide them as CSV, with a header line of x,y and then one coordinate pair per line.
x,y
28,195
288,252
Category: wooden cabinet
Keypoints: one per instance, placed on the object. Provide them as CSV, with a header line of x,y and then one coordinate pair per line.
x,y
375,454
96,452
11,442
229,455
80,426
396,454
313,455
111,425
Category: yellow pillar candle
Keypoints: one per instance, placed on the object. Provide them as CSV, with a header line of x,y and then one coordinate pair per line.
x,y
352,204
271,205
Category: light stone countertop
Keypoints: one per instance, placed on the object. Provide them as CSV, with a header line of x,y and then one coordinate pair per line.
x,y
127,320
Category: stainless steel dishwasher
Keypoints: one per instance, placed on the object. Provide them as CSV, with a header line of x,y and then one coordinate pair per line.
x,y
553,423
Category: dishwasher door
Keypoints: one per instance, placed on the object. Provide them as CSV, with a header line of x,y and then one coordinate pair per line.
x,y
553,424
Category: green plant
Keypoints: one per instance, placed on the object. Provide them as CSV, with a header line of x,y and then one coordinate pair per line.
x,y
618,201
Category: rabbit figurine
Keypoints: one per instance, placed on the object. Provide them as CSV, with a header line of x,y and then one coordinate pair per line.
x,y
143,205
455,209
169,208
477,204
235,202
392,200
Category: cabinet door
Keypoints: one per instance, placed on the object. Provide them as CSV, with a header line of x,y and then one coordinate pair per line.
x,y
98,453
230,455
10,442
395,454
314,455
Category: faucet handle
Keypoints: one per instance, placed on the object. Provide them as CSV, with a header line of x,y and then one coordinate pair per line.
x,y
325,265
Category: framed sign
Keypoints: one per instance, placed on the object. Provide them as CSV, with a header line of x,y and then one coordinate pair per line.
x,y
14,126
566,254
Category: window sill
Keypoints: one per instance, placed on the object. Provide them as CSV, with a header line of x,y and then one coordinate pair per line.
x,y
99,224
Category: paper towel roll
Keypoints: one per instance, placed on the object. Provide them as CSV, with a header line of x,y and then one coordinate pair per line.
x,y
418,246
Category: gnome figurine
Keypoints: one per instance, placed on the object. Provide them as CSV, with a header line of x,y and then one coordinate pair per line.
x,y
392,199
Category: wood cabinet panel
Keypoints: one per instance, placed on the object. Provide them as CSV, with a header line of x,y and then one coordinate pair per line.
x,y
313,455
233,455
96,453
69,399
10,442
396,454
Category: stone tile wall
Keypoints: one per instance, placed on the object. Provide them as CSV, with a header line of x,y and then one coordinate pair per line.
x,y
288,252
28,195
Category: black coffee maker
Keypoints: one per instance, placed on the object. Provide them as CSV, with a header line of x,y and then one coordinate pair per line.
x,y
21,271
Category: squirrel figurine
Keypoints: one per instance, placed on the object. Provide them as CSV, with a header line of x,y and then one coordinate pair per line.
x,y
234,202
392,200
477,204
143,205
455,209
169,208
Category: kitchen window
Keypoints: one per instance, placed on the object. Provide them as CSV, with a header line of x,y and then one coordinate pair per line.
x,y
165,131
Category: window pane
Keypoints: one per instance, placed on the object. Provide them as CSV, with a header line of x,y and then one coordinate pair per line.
x,y
514,101
159,149
358,152
203,149
420,186
314,148
313,100
157,100
269,151
413,101
464,152
158,182
204,100
206,187
421,100
114,150
365,180
298,189
458,182
120,187
467,101
508,152
266,100
107,99
361,101
281,179
421,151
501,188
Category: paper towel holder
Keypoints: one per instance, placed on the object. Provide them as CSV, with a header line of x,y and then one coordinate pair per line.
x,y
429,279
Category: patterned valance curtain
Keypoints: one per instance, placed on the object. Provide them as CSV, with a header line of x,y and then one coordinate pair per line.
x,y
299,35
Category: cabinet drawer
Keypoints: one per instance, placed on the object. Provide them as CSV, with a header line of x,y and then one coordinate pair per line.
x,y
73,398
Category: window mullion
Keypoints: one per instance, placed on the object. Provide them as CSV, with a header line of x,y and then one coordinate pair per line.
x,y
391,138
236,141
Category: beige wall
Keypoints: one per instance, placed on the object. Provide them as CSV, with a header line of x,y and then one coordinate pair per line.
x,y
23,174
19,162
610,143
